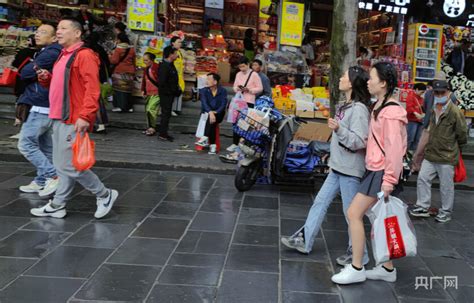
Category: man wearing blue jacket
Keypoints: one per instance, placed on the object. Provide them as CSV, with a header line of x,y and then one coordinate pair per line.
x,y
213,102
35,142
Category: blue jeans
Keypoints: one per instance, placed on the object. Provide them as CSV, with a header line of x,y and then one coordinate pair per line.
x,y
36,145
414,130
335,183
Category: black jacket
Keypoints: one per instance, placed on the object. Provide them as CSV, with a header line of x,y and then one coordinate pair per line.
x,y
168,83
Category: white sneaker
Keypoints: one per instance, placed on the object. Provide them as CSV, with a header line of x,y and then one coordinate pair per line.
x,y
174,114
116,110
49,187
33,187
104,205
232,148
349,275
49,211
379,273
212,149
203,141
17,136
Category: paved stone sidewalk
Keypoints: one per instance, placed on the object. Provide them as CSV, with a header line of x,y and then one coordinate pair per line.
x,y
181,237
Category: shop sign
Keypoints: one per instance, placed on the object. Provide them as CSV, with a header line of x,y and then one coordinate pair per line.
x,y
219,4
390,6
292,23
454,8
141,15
424,29
470,22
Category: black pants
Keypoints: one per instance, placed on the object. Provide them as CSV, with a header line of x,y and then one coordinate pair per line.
x,y
236,137
210,130
166,103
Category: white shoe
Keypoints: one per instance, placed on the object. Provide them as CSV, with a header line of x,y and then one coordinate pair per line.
x,y
203,141
49,211
104,205
116,110
174,114
131,110
17,136
349,275
33,187
212,149
232,148
49,187
379,273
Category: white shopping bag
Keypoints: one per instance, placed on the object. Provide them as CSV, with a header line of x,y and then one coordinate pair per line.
x,y
393,235
202,125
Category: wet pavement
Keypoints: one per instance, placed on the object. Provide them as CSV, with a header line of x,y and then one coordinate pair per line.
x,y
189,237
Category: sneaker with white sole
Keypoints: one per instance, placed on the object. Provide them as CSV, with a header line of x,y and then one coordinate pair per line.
x,y
232,148
349,275
49,187
203,141
104,205
443,217
116,110
33,187
296,243
380,273
174,114
419,212
49,211
212,149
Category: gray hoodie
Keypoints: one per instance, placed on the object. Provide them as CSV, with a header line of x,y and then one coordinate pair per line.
x,y
349,142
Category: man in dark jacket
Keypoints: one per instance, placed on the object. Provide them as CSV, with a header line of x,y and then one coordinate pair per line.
x,y
213,102
35,142
447,133
168,89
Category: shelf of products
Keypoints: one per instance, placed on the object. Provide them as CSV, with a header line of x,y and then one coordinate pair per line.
x,y
376,30
238,17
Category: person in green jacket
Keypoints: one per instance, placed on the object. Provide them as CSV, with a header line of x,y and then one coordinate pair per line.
x,y
447,133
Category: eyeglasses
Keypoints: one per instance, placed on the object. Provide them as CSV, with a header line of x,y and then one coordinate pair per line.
x,y
42,32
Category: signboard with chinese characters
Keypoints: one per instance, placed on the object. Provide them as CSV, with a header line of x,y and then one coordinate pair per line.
x,y
390,6
292,23
141,15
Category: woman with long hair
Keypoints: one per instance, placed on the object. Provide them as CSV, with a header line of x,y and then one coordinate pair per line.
x,y
350,130
386,147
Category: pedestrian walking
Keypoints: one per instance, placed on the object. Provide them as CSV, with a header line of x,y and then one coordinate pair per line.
x,y
35,142
168,89
177,43
150,92
415,115
447,133
386,146
74,100
213,102
123,73
350,131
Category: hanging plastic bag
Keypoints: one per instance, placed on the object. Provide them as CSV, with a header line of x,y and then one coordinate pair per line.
x,y
8,77
460,171
202,125
237,104
393,235
83,152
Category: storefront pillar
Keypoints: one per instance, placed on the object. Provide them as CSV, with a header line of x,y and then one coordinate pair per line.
x,y
342,45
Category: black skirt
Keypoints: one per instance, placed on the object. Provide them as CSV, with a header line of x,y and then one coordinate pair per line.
x,y
371,184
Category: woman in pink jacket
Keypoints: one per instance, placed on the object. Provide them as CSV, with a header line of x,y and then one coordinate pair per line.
x,y
386,147
249,84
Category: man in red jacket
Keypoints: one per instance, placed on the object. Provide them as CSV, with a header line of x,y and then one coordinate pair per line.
x,y
74,90
415,115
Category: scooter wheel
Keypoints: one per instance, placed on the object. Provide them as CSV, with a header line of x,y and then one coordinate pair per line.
x,y
246,177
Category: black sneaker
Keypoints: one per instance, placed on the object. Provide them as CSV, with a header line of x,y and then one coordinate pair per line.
x,y
166,138
419,212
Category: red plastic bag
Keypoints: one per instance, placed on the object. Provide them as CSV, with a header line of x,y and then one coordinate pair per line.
x,y
460,171
83,152
8,77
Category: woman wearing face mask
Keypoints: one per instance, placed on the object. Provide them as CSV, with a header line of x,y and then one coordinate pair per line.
x,y
350,130
386,147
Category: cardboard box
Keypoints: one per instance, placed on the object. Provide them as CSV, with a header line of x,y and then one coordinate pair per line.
x,y
223,69
313,131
